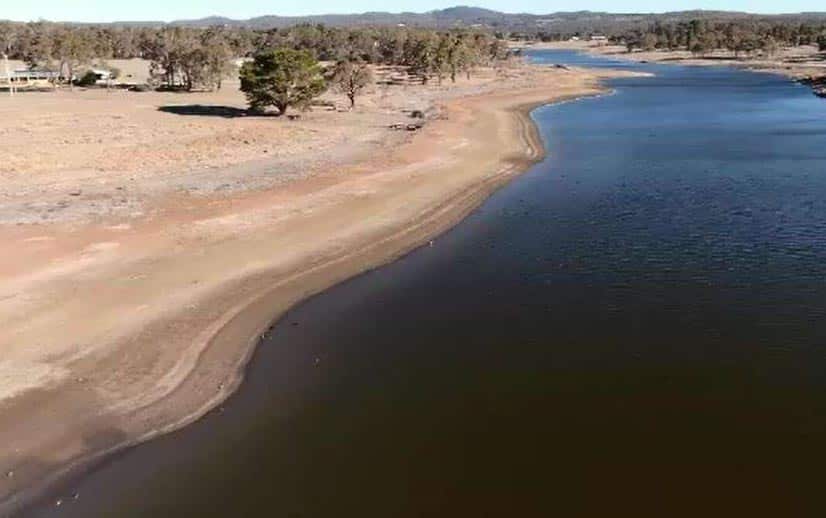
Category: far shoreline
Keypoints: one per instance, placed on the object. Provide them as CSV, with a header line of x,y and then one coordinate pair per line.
x,y
802,73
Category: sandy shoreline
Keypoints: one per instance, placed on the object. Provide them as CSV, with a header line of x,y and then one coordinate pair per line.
x,y
140,328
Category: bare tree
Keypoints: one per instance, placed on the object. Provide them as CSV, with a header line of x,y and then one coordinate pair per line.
x,y
351,77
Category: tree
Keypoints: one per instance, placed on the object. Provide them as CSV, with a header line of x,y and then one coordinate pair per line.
x,y
281,78
649,41
8,37
38,45
770,46
351,78
72,49
163,49
188,58
216,50
458,57
632,41
419,54
821,42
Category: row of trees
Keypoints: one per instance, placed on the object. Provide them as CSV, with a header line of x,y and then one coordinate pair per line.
x,y
185,57
740,37
288,76
426,54
38,42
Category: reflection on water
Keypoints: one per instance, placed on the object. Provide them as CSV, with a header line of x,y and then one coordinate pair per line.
x,y
634,325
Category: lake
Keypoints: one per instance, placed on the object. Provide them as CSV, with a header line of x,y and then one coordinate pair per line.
x,y
633,327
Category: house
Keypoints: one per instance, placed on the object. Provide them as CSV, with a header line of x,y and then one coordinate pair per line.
x,y
29,78
598,37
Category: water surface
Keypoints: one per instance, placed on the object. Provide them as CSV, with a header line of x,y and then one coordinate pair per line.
x,y
635,325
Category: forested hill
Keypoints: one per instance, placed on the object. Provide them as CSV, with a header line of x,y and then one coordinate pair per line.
x,y
559,23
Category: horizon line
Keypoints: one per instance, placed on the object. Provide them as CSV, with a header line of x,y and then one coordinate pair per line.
x,y
323,14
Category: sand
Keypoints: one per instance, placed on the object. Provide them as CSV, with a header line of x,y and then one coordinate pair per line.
x,y
121,325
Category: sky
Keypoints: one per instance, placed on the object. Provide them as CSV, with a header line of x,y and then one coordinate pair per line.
x,y
166,10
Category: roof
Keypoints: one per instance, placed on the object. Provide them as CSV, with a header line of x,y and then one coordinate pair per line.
x,y
35,73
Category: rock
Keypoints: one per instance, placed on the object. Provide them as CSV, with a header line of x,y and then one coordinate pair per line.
x,y
10,474
76,192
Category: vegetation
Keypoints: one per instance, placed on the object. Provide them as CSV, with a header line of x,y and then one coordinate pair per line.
x,y
736,32
282,78
351,77
702,36
188,57
88,79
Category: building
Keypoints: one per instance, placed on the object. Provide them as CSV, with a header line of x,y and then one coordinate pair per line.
x,y
28,78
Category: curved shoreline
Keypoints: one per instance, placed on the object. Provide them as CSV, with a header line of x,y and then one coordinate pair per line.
x,y
801,73
233,340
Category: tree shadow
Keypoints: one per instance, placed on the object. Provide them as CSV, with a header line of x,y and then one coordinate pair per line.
x,y
202,110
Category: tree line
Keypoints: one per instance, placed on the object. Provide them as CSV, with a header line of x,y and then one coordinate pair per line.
x,y
285,72
187,58
741,35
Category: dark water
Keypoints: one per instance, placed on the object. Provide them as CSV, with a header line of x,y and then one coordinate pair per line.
x,y
634,327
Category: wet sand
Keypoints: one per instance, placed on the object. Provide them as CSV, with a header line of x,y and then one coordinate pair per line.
x,y
117,331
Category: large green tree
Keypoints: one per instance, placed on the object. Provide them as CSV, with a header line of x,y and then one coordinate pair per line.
x,y
282,78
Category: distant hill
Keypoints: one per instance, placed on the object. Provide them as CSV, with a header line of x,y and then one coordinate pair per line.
x,y
460,15
464,16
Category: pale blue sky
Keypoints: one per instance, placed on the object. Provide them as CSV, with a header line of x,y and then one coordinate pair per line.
x,y
109,10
